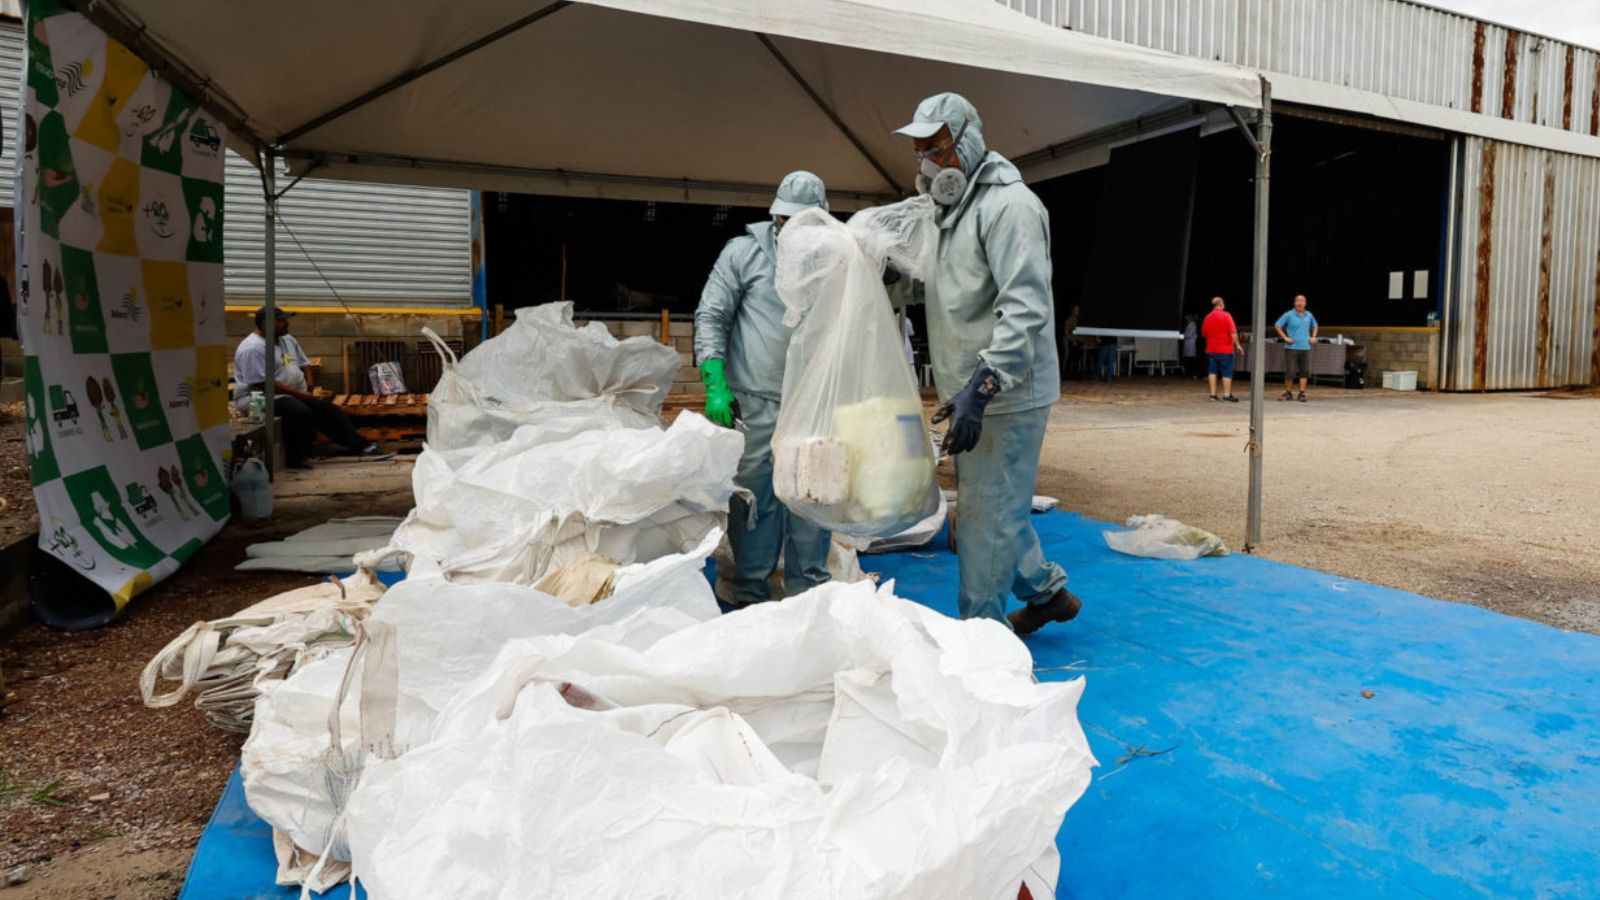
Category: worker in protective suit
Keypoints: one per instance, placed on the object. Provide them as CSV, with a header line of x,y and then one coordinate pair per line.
x,y
992,336
740,342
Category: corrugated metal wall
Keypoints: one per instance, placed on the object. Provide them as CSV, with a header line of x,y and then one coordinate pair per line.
x,y
1529,270
375,243
11,50
1388,47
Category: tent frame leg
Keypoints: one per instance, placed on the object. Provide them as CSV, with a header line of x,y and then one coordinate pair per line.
x,y
269,167
1262,143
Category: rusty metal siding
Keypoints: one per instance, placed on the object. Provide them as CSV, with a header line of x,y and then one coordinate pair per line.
x,y
1390,47
1527,308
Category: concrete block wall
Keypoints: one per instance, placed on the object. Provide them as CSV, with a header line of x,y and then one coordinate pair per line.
x,y
328,334
687,382
1396,349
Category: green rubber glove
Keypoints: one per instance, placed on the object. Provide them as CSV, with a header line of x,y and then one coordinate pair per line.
x,y
719,397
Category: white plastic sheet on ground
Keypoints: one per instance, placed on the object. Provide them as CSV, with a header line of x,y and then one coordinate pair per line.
x,y
561,489
443,635
516,377
850,450
1158,537
841,744
326,548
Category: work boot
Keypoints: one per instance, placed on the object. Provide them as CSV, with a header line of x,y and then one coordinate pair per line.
x,y
1062,607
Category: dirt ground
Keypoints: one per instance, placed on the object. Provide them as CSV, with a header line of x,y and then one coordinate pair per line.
x,y
1482,499
99,796
18,516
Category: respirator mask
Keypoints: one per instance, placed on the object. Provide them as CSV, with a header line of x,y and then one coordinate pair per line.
x,y
945,185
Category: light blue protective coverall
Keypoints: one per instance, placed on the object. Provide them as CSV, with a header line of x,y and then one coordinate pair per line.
x,y
740,320
989,300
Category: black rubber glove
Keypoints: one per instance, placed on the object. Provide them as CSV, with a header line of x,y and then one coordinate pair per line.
x,y
965,411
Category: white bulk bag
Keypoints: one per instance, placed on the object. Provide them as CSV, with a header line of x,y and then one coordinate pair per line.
x,y
841,744
511,511
512,379
850,450
442,636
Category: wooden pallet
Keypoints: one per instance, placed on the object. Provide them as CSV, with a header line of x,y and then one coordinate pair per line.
x,y
360,406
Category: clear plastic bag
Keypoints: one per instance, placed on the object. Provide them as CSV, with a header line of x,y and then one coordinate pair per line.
x,y
850,451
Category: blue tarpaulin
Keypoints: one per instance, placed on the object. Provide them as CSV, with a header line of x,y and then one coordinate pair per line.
x,y
1265,730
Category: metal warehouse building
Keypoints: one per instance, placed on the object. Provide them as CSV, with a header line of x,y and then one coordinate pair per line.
x,y
1516,115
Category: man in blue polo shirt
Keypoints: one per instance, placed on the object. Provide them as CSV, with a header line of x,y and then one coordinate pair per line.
x,y
1297,328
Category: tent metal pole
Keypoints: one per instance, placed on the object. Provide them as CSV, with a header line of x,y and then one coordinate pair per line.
x,y
405,78
828,111
269,169
1258,315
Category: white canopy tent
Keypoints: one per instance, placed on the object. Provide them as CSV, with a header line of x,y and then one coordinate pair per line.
x,y
687,100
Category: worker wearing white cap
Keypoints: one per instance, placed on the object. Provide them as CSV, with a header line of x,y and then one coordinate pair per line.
x,y
991,333
741,342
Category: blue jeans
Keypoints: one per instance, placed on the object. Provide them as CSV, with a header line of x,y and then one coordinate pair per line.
x,y
1106,362
996,545
757,542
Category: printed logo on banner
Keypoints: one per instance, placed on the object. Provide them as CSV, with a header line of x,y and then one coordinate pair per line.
x,y
64,545
106,520
201,478
51,294
123,74
88,326
136,382
41,70
170,480
119,201
143,503
204,201
164,147
42,465
166,284
210,393
141,116
163,216
58,177
80,222
64,412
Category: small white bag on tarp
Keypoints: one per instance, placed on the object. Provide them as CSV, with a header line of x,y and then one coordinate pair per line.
x,y
850,450
516,377
841,744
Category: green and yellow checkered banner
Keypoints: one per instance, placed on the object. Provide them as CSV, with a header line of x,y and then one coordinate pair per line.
x,y
119,276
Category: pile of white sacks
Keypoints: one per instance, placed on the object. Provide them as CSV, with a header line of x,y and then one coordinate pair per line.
x,y
550,704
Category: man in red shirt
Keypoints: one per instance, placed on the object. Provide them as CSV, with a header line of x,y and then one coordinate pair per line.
x,y
1222,341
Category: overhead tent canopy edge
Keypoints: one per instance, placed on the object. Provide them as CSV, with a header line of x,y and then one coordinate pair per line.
x,y
698,100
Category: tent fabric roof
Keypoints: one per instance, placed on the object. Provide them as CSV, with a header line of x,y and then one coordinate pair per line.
x,y
661,99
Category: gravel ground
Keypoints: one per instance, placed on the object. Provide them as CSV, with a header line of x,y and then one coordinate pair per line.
x,y
1482,499
92,782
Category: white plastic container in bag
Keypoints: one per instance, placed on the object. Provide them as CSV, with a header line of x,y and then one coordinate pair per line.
x,y
850,451
254,490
